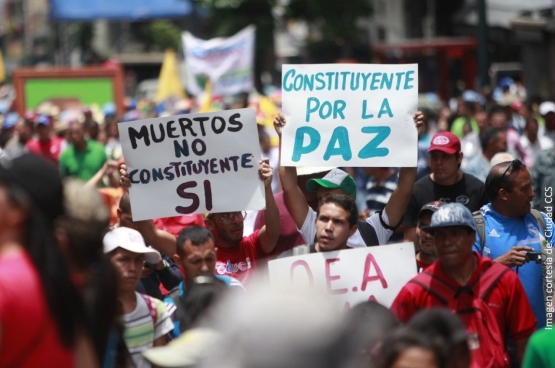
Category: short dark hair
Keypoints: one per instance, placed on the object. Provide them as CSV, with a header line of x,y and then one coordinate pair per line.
x,y
196,234
404,338
344,202
501,177
491,135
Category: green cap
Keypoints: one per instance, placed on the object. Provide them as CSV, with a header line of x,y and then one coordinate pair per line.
x,y
336,178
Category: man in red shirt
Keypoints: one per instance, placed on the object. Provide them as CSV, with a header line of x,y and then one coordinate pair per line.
x,y
46,145
471,282
237,254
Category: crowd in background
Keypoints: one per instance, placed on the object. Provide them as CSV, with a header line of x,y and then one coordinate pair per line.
x,y
109,291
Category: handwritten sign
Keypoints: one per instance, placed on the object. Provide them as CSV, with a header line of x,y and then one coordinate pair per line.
x,y
353,275
349,115
194,163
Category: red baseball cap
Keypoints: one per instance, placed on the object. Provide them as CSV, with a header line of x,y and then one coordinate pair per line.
x,y
445,142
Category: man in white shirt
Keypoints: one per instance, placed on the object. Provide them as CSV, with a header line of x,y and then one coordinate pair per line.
x,y
146,319
532,142
381,224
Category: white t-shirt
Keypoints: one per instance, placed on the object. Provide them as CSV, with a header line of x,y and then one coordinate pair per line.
x,y
140,331
308,231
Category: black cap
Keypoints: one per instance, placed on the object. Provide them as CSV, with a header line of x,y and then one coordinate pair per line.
x,y
38,178
432,207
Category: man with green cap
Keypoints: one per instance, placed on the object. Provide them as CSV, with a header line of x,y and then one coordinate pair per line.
x,y
377,229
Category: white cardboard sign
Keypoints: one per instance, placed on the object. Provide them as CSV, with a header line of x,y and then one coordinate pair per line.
x,y
194,163
350,115
352,275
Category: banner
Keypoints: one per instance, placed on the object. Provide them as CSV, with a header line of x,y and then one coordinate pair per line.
x,y
352,275
198,163
349,115
226,62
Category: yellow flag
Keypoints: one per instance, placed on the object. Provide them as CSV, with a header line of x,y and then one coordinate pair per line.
x,y
2,70
206,104
269,109
169,83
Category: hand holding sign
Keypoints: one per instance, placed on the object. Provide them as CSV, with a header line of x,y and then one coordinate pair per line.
x,y
191,163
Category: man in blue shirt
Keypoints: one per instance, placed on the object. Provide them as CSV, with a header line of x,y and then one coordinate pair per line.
x,y
511,231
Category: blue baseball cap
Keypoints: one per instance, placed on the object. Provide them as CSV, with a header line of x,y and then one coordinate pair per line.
x,y
451,214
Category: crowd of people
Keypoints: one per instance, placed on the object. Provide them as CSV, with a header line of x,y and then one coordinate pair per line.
x,y
83,284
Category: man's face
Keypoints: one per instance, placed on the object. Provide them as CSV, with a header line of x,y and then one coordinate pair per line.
x,y
24,131
43,131
425,240
499,120
482,120
129,266
453,245
126,220
198,259
77,133
521,195
227,225
444,165
500,144
532,130
332,228
549,120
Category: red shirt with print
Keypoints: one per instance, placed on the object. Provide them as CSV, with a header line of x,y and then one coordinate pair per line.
x,y
239,261
508,301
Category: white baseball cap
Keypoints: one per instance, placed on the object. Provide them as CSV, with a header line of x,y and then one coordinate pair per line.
x,y
546,107
131,240
310,170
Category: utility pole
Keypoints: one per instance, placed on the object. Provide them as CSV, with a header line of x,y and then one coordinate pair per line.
x,y
483,62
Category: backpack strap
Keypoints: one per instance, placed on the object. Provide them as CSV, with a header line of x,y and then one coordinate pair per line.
x,y
489,278
368,233
539,219
151,305
441,290
480,227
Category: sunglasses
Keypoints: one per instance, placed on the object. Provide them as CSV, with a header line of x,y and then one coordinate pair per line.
x,y
515,164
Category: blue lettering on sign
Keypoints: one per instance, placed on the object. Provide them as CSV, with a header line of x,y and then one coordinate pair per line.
x,y
372,149
385,109
409,79
313,143
289,73
325,109
339,137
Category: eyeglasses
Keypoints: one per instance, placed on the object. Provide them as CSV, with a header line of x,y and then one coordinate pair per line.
x,y
515,165
229,216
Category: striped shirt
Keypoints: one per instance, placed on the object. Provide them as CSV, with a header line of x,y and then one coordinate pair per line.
x,y
140,331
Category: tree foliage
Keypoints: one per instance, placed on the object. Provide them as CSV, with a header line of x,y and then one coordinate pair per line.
x,y
165,34
336,19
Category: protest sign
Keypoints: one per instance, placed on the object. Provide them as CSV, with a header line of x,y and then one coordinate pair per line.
x,y
226,62
349,115
196,163
352,275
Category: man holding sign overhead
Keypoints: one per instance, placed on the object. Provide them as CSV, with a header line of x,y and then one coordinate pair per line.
x,y
380,226
203,163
